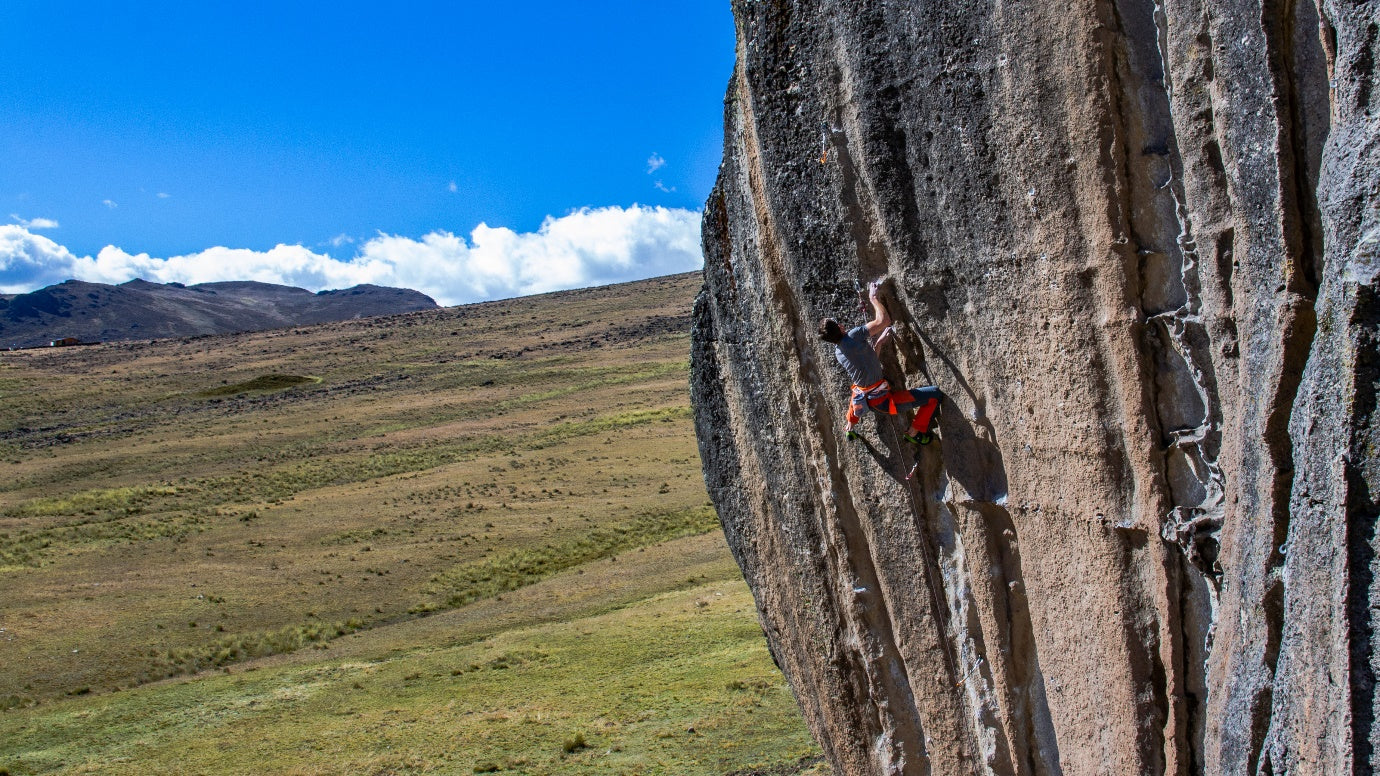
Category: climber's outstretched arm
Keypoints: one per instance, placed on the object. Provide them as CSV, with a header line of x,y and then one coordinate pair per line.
x,y
881,318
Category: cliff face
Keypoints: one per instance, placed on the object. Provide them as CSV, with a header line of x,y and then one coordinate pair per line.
x,y
1137,245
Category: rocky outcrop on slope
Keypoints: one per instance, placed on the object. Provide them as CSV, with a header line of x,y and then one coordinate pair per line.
x,y
1137,244
95,312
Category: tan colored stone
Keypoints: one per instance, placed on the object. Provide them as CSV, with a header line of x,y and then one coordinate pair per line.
x,y
1105,227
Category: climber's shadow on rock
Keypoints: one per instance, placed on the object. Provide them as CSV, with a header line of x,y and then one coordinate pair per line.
x,y
972,457
969,456
884,456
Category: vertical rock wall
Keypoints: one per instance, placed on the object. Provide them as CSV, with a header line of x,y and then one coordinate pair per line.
x,y
1136,243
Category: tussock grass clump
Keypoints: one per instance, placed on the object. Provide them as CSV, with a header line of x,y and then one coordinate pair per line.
x,y
8,702
105,516
30,548
262,383
604,423
509,660
245,646
492,576
574,744
91,502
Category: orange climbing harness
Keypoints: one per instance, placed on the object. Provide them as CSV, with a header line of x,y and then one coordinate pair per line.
x,y
875,397
878,397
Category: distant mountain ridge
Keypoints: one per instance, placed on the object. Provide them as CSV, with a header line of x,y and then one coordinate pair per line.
x,y
139,309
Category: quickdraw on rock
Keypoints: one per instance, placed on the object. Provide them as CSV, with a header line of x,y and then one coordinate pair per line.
x,y
823,142
971,671
862,296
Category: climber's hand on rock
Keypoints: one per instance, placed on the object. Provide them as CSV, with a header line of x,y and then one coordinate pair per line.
x,y
881,319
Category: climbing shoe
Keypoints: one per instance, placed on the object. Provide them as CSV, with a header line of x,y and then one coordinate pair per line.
x,y
923,438
853,435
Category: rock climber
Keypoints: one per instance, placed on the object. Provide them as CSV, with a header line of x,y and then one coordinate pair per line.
x,y
871,392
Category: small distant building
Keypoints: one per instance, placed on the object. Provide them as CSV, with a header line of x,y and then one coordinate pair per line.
x,y
64,342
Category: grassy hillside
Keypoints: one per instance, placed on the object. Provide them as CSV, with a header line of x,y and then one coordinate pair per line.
x,y
457,541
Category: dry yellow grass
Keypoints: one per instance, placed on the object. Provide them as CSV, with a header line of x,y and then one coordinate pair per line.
x,y
184,504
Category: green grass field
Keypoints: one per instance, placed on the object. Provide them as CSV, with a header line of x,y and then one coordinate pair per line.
x,y
472,540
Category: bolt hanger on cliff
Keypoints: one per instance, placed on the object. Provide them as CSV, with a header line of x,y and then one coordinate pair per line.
x,y
871,392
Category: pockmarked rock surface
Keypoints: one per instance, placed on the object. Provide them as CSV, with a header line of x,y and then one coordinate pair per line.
x,y
1137,245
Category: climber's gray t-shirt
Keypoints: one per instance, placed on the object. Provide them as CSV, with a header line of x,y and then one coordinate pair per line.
x,y
856,356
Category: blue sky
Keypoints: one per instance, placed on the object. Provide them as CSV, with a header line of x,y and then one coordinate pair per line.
x,y
165,130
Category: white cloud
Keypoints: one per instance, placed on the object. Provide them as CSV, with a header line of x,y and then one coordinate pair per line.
x,y
29,261
452,188
110,203
590,246
662,187
36,223
163,195
655,162
340,240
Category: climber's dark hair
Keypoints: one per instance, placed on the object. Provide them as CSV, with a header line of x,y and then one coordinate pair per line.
x,y
830,331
